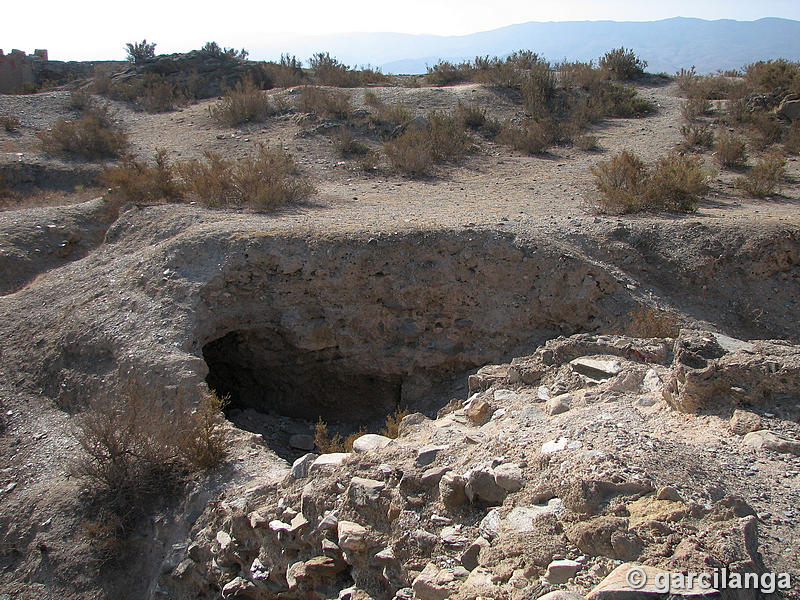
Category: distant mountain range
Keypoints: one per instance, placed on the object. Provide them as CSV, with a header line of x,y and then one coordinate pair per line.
x,y
667,45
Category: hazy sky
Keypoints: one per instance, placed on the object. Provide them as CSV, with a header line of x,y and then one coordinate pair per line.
x,y
98,29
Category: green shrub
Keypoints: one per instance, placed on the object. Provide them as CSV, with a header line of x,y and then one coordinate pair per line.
x,y
139,181
244,103
214,49
265,181
9,122
139,52
333,104
93,136
730,150
765,178
622,64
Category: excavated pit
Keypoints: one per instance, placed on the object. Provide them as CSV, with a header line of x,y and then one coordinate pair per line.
x,y
260,370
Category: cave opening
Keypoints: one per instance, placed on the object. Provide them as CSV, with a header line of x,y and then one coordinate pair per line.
x,y
280,391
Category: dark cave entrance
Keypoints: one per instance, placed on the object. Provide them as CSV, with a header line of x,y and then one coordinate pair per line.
x,y
279,390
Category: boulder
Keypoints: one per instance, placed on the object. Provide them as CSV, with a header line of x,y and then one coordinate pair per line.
x,y
522,518
479,411
469,558
302,465
364,491
352,536
482,487
766,440
789,109
370,441
595,368
509,477
434,583
558,404
333,459
489,527
743,422
452,490
427,454
561,571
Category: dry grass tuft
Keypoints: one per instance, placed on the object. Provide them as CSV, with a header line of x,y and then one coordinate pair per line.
x,y
333,104
9,122
730,150
139,181
244,103
765,178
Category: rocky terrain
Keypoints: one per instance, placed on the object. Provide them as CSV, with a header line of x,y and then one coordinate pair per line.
x,y
586,393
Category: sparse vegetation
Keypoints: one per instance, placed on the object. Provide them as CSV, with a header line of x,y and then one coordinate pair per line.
x,y
9,122
245,103
80,99
694,108
730,150
139,52
532,137
765,178
347,145
587,143
93,136
323,440
329,71
410,153
214,49
622,182
391,428
287,72
791,142
265,181
441,137
333,104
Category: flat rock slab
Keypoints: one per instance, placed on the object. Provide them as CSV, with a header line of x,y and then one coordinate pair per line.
x,y
595,368
332,459
370,441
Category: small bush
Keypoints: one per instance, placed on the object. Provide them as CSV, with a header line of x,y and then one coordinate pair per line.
x,y
265,181
214,49
139,52
730,150
471,115
80,99
449,141
391,428
9,122
139,181
245,103
203,442
323,440
622,181
676,183
411,153
624,101
697,136
587,143
766,129
791,143
446,73
371,98
93,136
622,64
777,77
370,161
158,94
765,178
288,72
346,143
694,108
532,137
333,104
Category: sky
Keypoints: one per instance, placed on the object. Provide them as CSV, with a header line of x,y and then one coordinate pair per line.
x,y
98,30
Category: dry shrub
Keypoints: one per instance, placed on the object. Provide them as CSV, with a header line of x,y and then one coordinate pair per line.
x,y
288,72
766,129
765,178
449,141
93,136
80,99
623,64
244,103
777,77
694,108
587,143
471,115
323,440
622,182
333,104
135,451
388,116
697,136
160,95
624,101
730,150
791,142
410,153
648,322
391,428
581,75
346,143
370,161
265,181
706,87
531,137
676,183
9,122
447,73
329,71
139,181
